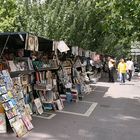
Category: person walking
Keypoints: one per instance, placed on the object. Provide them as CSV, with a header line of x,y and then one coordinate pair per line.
x,y
111,69
122,68
130,68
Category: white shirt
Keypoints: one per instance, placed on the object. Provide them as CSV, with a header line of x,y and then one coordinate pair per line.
x,y
110,63
130,65
91,63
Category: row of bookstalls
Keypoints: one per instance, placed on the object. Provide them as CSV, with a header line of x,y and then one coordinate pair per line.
x,y
37,75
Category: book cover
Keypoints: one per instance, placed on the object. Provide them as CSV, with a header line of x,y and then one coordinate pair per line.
x,y
10,95
12,66
6,106
27,113
24,80
19,128
28,108
9,86
27,122
5,98
13,101
2,83
20,95
21,102
11,113
5,73
10,104
3,90
2,123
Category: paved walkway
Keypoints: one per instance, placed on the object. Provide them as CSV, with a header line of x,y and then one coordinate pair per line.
x,y
110,112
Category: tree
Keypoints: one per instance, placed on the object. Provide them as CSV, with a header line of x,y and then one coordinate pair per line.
x,y
121,24
105,26
7,15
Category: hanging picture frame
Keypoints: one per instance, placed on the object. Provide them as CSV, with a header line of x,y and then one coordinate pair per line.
x,y
32,43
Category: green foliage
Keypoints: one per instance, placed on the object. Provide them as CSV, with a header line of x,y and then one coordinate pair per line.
x,y
7,15
105,26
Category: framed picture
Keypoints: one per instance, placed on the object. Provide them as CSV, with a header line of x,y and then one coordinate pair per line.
x,y
38,105
32,43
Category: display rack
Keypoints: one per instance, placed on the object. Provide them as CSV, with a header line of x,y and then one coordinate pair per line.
x,y
12,99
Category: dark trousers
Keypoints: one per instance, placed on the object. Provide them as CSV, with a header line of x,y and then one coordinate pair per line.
x,y
111,74
130,74
123,77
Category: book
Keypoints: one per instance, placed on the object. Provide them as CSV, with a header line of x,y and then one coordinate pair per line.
x,y
11,113
13,101
20,95
28,108
16,81
12,66
5,73
27,122
8,105
2,83
5,98
12,120
3,90
10,95
2,123
19,128
24,80
23,64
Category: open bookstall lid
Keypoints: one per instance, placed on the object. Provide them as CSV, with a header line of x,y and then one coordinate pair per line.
x,y
16,40
22,40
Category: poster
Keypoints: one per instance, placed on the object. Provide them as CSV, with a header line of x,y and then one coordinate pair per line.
x,y
2,123
32,43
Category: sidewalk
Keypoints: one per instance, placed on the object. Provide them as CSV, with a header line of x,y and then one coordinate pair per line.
x,y
115,116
